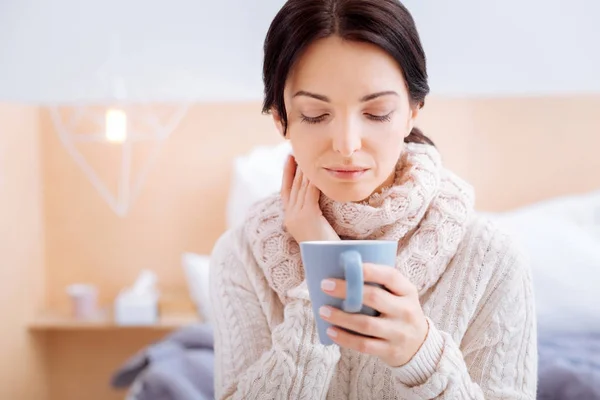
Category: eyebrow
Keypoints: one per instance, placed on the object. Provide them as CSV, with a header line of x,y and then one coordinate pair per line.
x,y
362,99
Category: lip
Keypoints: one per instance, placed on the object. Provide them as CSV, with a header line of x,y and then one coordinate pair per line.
x,y
347,173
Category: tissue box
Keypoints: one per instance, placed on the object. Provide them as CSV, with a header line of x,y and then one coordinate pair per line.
x,y
132,308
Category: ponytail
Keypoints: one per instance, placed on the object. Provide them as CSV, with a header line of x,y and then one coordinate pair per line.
x,y
416,136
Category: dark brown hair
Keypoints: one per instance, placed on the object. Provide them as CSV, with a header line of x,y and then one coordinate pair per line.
x,y
384,23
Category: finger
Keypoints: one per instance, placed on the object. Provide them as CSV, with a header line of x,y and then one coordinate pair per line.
x,y
390,278
365,345
301,199
373,296
296,187
367,325
312,196
288,177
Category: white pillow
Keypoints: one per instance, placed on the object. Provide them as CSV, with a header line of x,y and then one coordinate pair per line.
x,y
196,269
562,240
256,175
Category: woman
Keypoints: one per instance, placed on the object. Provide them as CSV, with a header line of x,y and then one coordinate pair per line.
x,y
344,81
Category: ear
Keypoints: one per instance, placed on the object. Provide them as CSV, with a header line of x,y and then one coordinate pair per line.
x,y
278,122
413,114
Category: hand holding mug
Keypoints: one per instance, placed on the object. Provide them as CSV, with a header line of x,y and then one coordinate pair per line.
x,y
394,336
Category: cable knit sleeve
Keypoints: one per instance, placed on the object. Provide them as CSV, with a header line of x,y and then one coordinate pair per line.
x,y
263,350
496,358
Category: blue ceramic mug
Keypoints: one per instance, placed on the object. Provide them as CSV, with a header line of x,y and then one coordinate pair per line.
x,y
342,260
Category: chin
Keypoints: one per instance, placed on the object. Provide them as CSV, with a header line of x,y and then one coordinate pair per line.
x,y
347,193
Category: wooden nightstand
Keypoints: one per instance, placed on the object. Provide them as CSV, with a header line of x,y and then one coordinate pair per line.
x,y
60,321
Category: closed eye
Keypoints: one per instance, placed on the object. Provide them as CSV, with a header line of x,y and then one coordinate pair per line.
x,y
313,120
380,118
321,118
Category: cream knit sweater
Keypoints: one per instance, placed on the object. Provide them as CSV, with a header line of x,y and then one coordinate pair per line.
x,y
474,288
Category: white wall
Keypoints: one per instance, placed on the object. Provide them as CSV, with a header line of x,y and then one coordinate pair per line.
x,y
505,47
211,50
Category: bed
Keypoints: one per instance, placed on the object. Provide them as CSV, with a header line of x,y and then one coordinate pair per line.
x,y
561,237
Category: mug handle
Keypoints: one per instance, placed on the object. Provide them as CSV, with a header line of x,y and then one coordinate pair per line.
x,y
352,262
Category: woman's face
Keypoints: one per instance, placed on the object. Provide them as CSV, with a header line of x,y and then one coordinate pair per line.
x,y
348,113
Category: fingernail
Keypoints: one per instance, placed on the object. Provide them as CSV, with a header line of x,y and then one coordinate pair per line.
x,y
328,285
331,332
325,311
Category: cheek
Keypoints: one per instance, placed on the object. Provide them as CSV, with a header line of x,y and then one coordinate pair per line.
x,y
387,147
306,150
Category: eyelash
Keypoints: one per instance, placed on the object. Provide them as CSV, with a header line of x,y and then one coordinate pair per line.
x,y
313,120
320,118
380,118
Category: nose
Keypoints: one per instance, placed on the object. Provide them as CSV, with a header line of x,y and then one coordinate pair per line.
x,y
347,140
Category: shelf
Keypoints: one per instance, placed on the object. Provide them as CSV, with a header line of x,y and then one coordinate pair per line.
x,y
62,321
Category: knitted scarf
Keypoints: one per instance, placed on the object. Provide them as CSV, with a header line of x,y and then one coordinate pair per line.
x,y
426,210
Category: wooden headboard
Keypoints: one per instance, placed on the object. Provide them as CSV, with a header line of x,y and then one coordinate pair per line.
x,y
517,151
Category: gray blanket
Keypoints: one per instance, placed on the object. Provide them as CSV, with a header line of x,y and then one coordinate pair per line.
x,y
179,367
569,366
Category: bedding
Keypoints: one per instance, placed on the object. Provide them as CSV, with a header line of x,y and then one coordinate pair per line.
x,y
255,176
569,366
561,238
196,270
179,367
